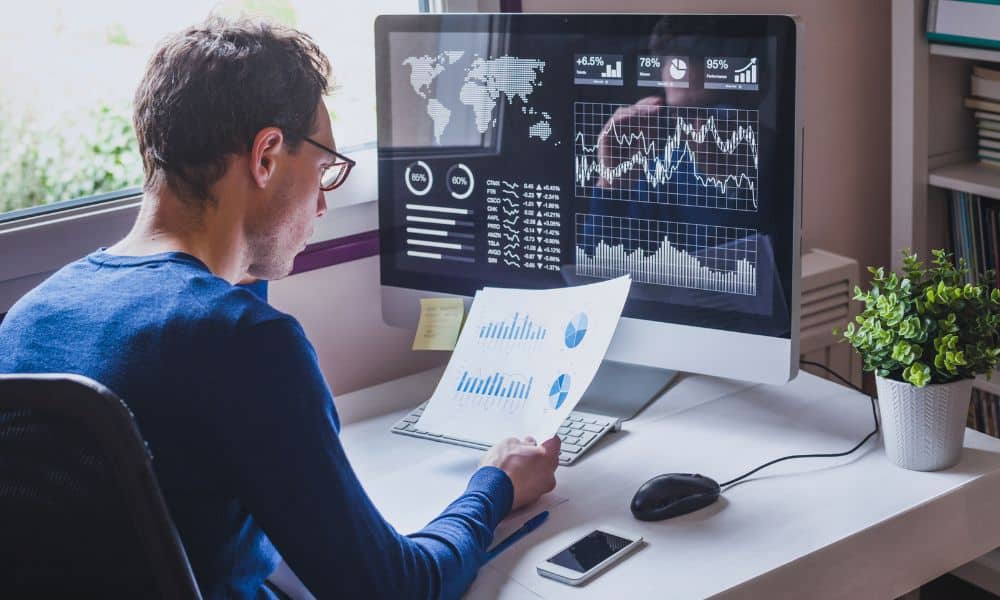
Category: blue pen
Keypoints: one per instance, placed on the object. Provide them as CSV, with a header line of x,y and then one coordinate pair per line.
x,y
532,524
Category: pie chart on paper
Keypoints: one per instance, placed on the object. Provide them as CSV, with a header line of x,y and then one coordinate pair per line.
x,y
559,391
576,330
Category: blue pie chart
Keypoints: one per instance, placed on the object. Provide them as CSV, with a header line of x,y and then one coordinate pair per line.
x,y
576,330
559,391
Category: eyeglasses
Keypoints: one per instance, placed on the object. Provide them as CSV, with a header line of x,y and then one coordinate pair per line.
x,y
336,174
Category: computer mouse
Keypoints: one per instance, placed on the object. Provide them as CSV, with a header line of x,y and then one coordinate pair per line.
x,y
672,495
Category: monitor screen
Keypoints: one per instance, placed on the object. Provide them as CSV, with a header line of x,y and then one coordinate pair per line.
x,y
538,151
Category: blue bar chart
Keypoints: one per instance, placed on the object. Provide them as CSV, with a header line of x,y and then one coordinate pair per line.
x,y
520,327
494,385
494,391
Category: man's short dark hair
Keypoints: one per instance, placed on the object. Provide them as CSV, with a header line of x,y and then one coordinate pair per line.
x,y
208,90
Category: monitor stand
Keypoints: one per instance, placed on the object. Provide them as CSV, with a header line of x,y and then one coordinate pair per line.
x,y
621,390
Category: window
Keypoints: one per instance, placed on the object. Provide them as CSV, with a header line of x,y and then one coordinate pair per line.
x,y
70,70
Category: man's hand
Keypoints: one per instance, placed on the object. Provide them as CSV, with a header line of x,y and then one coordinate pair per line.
x,y
531,467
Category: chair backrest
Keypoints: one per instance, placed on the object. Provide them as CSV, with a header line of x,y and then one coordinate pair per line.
x,y
81,513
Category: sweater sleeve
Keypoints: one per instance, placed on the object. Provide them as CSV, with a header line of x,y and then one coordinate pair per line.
x,y
290,471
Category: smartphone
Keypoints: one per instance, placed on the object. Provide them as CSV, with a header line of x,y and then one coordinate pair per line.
x,y
588,556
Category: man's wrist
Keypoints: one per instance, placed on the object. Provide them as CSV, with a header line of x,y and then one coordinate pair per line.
x,y
496,484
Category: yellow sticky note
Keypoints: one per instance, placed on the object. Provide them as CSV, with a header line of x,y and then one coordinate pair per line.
x,y
440,323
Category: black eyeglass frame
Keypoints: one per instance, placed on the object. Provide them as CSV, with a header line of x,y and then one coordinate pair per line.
x,y
345,163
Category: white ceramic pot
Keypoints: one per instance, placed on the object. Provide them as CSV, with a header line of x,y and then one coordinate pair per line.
x,y
923,428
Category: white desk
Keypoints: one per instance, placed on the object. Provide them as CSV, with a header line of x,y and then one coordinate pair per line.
x,y
854,527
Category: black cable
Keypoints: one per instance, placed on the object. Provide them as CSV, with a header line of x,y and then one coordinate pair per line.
x,y
835,455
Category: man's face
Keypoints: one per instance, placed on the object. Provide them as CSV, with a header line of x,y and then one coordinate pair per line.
x,y
283,223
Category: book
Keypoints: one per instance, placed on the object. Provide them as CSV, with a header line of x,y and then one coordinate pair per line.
x,y
985,73
975,233
989,134
987,117
985,105
989,144
985,88
989,154
964,22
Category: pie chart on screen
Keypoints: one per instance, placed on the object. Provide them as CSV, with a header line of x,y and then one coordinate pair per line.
x,y
678,68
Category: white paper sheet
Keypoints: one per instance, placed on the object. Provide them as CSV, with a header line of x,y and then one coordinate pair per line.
x,y
523,361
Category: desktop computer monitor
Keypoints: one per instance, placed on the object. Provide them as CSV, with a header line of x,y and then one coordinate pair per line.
x,y
544,150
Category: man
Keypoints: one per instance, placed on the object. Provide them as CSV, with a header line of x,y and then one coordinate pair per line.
x,y
236,143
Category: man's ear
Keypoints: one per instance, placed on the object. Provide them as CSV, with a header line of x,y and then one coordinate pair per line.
x,y
267,144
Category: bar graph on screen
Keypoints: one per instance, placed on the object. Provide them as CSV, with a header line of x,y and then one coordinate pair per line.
x,y
689,255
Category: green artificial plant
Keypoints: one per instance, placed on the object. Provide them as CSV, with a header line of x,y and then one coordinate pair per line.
x,y
929,325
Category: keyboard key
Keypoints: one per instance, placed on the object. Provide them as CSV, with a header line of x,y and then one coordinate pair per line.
x,y
409,428
400,426
572,418
571,449
592,428
586,437
589,420
563,431
575,432
411,419
577,426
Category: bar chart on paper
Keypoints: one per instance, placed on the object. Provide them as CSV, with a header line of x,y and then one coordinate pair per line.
x,y
689,255
518,328
523,360
495,391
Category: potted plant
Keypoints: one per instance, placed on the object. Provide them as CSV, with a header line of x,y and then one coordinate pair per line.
x,y
926,335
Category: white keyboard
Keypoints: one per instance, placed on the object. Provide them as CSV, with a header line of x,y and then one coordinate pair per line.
x,y
579,432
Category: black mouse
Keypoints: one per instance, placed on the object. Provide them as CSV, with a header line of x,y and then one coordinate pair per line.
x,y
672,495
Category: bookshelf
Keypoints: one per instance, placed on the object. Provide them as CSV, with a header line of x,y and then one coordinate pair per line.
x,y
967,177
980,54
933,153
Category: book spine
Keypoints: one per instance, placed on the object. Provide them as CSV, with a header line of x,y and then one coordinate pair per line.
x,y
977,239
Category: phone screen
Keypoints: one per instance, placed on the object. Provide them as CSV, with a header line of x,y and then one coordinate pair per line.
x,y
589,551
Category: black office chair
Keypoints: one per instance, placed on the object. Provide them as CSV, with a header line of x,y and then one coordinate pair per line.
x,y
81,514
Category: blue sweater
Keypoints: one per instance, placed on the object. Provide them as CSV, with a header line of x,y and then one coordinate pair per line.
x,y
228,394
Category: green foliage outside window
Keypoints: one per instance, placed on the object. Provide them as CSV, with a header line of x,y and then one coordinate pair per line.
x,y
41,167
